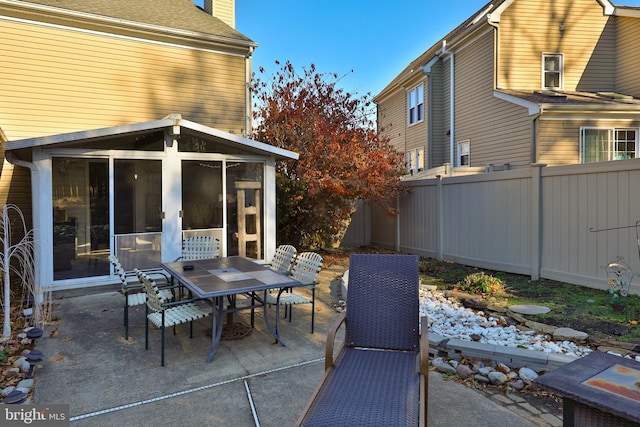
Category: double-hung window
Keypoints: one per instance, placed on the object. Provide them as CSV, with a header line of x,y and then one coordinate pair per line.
x,y
416,104
604,144
415,160
552,71
464,150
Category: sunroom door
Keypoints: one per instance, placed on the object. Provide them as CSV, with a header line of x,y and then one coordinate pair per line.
x,y
202,200
224,199
137,217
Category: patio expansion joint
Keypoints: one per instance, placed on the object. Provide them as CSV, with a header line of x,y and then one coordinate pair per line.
x,y
193,390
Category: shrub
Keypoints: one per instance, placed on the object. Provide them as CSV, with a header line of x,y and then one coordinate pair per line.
x,y
431,267
481,283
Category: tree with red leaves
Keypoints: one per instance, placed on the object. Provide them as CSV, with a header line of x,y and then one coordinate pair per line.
x,y
342,157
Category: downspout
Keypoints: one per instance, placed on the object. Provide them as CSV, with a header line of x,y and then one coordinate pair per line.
x,y
496,50
247,107
35,214
534,138
452,109
429,144
426,70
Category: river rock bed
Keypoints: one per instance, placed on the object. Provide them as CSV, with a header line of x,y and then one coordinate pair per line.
x,y
450,319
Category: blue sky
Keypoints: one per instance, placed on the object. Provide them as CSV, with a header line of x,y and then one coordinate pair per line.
x,y
374,39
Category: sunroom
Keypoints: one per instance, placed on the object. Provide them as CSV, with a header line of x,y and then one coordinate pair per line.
x,y
137,190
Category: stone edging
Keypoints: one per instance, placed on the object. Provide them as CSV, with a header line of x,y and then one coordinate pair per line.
x,y
513,357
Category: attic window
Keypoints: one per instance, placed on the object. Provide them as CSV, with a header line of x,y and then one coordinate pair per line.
x,y
552,70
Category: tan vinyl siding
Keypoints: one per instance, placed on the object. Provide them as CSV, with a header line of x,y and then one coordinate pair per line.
x,y
628,77
530,28
15,188
446,111
392,119
559,140
498,132
61,80
225,10
438,147
418,133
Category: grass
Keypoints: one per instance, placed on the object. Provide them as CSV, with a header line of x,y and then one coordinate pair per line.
x,y
578,307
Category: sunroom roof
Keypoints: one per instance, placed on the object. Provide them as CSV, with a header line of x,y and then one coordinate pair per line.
x,y
143,135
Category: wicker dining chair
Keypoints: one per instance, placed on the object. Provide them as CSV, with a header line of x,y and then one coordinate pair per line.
x,y
379,375
306,268
133,291
172,313
282,260
200,247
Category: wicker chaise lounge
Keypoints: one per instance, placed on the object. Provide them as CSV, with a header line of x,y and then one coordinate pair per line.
x,y
379,376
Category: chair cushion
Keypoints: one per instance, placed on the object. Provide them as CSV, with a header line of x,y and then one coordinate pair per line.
x,y
369,388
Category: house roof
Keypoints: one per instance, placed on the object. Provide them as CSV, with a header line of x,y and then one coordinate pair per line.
x,y
175,14
567,102
172,123
493,7
559,97
436,49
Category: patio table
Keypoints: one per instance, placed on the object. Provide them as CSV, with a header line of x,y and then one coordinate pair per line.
x,y
218,278
598,389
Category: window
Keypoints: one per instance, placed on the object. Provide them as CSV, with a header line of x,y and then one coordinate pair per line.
x,y
416,104
604,144
415,160
625,144
81,241
463,153
552,71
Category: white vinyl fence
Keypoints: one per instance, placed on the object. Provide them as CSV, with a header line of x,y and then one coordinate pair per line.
x,y
563,223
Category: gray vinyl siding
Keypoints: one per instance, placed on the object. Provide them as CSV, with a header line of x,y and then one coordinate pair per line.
x,y
499,132
62,80
628,58
530,28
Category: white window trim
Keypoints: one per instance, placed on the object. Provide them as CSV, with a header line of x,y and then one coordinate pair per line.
x,y
612,149
459,154
561,71
415,160
410,93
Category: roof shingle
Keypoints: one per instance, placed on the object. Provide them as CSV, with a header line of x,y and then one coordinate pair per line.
x,y
176,14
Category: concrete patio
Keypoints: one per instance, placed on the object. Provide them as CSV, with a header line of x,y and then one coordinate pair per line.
x,y
108,381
